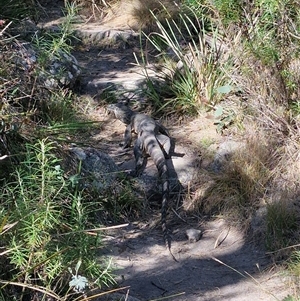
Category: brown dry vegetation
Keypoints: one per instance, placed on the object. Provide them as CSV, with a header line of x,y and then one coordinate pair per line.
x,y
134,14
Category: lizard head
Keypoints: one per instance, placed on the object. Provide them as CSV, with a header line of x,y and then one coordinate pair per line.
x,y
121,112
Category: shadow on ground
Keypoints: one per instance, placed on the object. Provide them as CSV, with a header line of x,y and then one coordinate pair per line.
x,y
220,266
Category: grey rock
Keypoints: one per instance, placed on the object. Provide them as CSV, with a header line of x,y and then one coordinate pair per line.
x,y
25,56
106,36
24,29
193,234
98,169
223,154
62,70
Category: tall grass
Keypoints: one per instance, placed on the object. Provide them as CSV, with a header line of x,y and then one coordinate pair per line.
x,y
44,217
194,68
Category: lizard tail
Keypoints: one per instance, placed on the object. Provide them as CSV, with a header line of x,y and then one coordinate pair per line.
x,y
165,230
164,208
160,162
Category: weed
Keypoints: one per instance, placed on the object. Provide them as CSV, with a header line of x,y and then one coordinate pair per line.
x,y
196,81
49,223
60,118
53,45
280,224
17,9
295,107
223,119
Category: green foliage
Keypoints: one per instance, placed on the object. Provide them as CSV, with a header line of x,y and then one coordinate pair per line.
x,y
290,298
194,4
271,35
43,218
16,9
27,110
55,44
295,268
61,119
48,224
294,265
280,223
223,118
24,102
229,10
295,107
197,79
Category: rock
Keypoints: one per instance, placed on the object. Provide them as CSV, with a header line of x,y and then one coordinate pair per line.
x,y
98,169
25,56
62,70
105,36
223,154
193,234
24,29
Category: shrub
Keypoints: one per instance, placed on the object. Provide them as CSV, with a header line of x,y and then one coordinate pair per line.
x,y
193,67
44,226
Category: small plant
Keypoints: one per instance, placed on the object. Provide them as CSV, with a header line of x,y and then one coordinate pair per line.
x,y
295,107
79,283
280,224
48,226
230,10
23,110
223,118
197,80
54,45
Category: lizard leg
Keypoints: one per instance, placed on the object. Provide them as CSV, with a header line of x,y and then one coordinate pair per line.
x,y
127,136
140,158
165,143
162,129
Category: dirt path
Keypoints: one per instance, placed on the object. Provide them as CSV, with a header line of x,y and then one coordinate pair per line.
x,y
203,271
223,264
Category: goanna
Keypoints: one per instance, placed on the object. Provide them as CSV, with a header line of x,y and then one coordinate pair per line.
x,y
152,140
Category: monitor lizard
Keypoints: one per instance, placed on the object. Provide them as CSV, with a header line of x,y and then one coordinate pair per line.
x,y
152,140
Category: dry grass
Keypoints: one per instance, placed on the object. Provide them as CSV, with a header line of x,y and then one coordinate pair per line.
x,y
133,14
264,172
241,182
136,14
260,179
